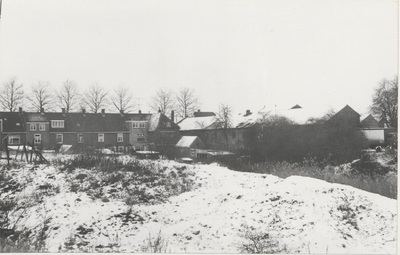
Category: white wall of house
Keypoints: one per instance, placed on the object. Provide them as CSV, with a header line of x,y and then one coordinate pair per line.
x,y
375,136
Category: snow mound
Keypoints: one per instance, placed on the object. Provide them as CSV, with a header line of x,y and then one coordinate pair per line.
x,y
303,214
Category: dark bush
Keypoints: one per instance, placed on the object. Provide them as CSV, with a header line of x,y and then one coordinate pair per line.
x,y
337,143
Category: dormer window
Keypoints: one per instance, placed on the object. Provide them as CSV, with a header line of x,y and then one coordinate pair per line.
x,y
57,124
139,124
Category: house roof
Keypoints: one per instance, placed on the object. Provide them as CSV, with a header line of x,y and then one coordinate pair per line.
x,y
297,114
302,115
193,123
82,122
186,141
369,121
12,122
203,114
35,116
94,122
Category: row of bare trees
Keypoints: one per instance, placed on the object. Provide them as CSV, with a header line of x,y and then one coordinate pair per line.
x,y
42,96
184,102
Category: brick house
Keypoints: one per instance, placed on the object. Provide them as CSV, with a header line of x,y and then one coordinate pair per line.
x,y
117,131
12,129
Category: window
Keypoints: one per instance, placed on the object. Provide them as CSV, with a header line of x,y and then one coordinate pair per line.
x,y
139,124
120,148
141,137
57,124
80,138
13,139
37,138
120,137
42,127
59,138
100,138
201,155
33,127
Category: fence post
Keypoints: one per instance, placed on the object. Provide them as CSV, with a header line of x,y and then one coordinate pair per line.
x,y
7,152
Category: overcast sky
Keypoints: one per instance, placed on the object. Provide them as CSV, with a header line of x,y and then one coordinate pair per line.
x,y
245,53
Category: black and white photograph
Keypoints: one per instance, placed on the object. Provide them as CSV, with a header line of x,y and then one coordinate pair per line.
x,y
199,126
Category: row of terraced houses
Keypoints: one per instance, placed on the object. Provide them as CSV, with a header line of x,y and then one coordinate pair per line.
x,y
122,132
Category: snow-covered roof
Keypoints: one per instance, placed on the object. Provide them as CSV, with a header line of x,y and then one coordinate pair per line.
x,y
302,115
186,141
297,114
193,123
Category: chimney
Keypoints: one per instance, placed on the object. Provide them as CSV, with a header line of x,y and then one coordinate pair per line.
x,y
140,111
121,111
103,112
20,109
83,110
172,115
248,112
41,110
198,110
63,110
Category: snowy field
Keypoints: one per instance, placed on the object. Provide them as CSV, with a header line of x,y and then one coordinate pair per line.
x,y
224,207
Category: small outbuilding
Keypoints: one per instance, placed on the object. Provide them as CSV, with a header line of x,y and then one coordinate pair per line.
x,y
191,147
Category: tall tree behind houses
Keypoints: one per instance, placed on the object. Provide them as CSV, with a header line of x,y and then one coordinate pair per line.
x,y
385,101
224,116
40,96
187,102
163,101
95,98
122,99
68,96
11,95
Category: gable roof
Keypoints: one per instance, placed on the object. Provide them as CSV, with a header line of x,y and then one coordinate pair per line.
x,y
369,121
187,141
159,120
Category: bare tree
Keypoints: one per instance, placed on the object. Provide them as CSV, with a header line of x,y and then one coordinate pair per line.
x,y
385,101
187,102
163,101
95,98
122,99
68,96
11,95
40,96
224,116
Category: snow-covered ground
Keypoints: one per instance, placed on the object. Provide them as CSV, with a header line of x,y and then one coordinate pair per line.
x,y
303,214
